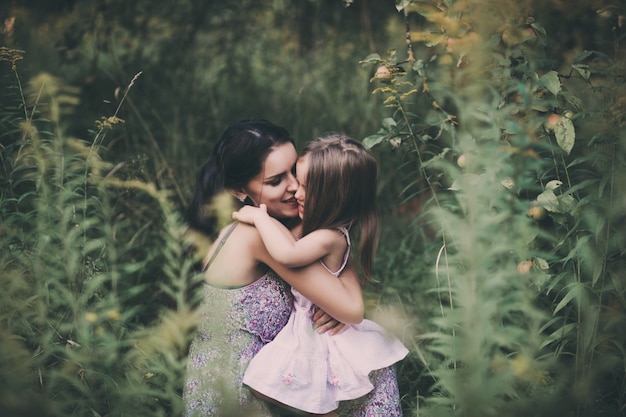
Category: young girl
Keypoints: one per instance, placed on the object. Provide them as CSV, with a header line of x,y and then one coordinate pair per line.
x,y
300,368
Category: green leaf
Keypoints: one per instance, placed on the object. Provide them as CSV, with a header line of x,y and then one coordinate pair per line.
x,y
583,70
573,100
597,267
575,252
540,31
373,140
583,56
565,134
542,264
467,180
575,292
567,203
551,81
541,105
418,67
424,8
558,334
549,201
401,4
389,123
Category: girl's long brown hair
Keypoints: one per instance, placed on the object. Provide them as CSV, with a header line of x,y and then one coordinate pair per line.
x,y
341,191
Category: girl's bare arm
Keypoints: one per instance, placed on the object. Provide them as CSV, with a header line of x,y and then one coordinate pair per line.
x,y
281,244
340,297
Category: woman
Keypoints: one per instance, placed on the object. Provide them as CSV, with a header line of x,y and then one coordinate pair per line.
x,y
246,303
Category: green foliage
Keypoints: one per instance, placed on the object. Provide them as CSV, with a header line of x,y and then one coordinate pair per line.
x,y
522,158
89,323
504,261
204,65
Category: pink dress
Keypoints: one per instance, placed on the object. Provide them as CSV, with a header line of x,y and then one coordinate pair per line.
x,y
314,372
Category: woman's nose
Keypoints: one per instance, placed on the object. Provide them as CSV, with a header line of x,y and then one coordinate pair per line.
x,y
292,185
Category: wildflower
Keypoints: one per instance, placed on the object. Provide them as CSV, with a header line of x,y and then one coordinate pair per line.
x,y
11,55
520,365
113,315
106,123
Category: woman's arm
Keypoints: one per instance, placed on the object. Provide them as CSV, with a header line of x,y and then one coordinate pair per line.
x,y
340,297
281,244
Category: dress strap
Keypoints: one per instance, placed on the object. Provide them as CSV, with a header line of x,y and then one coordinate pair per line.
x,y
346,254
219,246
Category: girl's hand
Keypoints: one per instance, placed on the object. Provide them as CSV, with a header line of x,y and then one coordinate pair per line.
x,y
322,322
248,214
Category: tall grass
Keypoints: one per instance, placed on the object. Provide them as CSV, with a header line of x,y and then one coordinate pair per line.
x,y
95,309
521,157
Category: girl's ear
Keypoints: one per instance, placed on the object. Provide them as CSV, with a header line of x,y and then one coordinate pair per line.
x,y
239,195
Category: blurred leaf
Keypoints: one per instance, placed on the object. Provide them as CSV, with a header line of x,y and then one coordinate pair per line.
x,y
373,140
583,70
552,82
558,334
575,292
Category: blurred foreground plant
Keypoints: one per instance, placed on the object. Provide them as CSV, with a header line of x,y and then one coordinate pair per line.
x,y
519,162
95,305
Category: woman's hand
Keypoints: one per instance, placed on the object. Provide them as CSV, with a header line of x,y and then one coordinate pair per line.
x,y
323,322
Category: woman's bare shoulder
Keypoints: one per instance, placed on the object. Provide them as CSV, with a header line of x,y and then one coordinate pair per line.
x,y
247,234
242,230
234,262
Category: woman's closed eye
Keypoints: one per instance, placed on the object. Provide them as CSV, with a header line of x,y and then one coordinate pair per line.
x,y
275,181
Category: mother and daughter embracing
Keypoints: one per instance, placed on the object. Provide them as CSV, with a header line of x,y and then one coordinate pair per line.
x,y
282,330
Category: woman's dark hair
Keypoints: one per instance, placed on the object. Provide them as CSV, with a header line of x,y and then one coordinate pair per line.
x,y
236,159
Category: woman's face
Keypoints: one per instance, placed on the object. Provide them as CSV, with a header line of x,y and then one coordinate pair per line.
x,y
276,185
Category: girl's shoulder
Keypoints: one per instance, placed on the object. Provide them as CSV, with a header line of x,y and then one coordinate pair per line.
x,y
333,237
327,232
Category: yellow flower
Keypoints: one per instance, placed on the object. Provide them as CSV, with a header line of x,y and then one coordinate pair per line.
x,y
113,315
91,317
520,365
526,370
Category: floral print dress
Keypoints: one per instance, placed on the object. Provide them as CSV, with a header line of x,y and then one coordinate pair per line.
x,y
236,324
